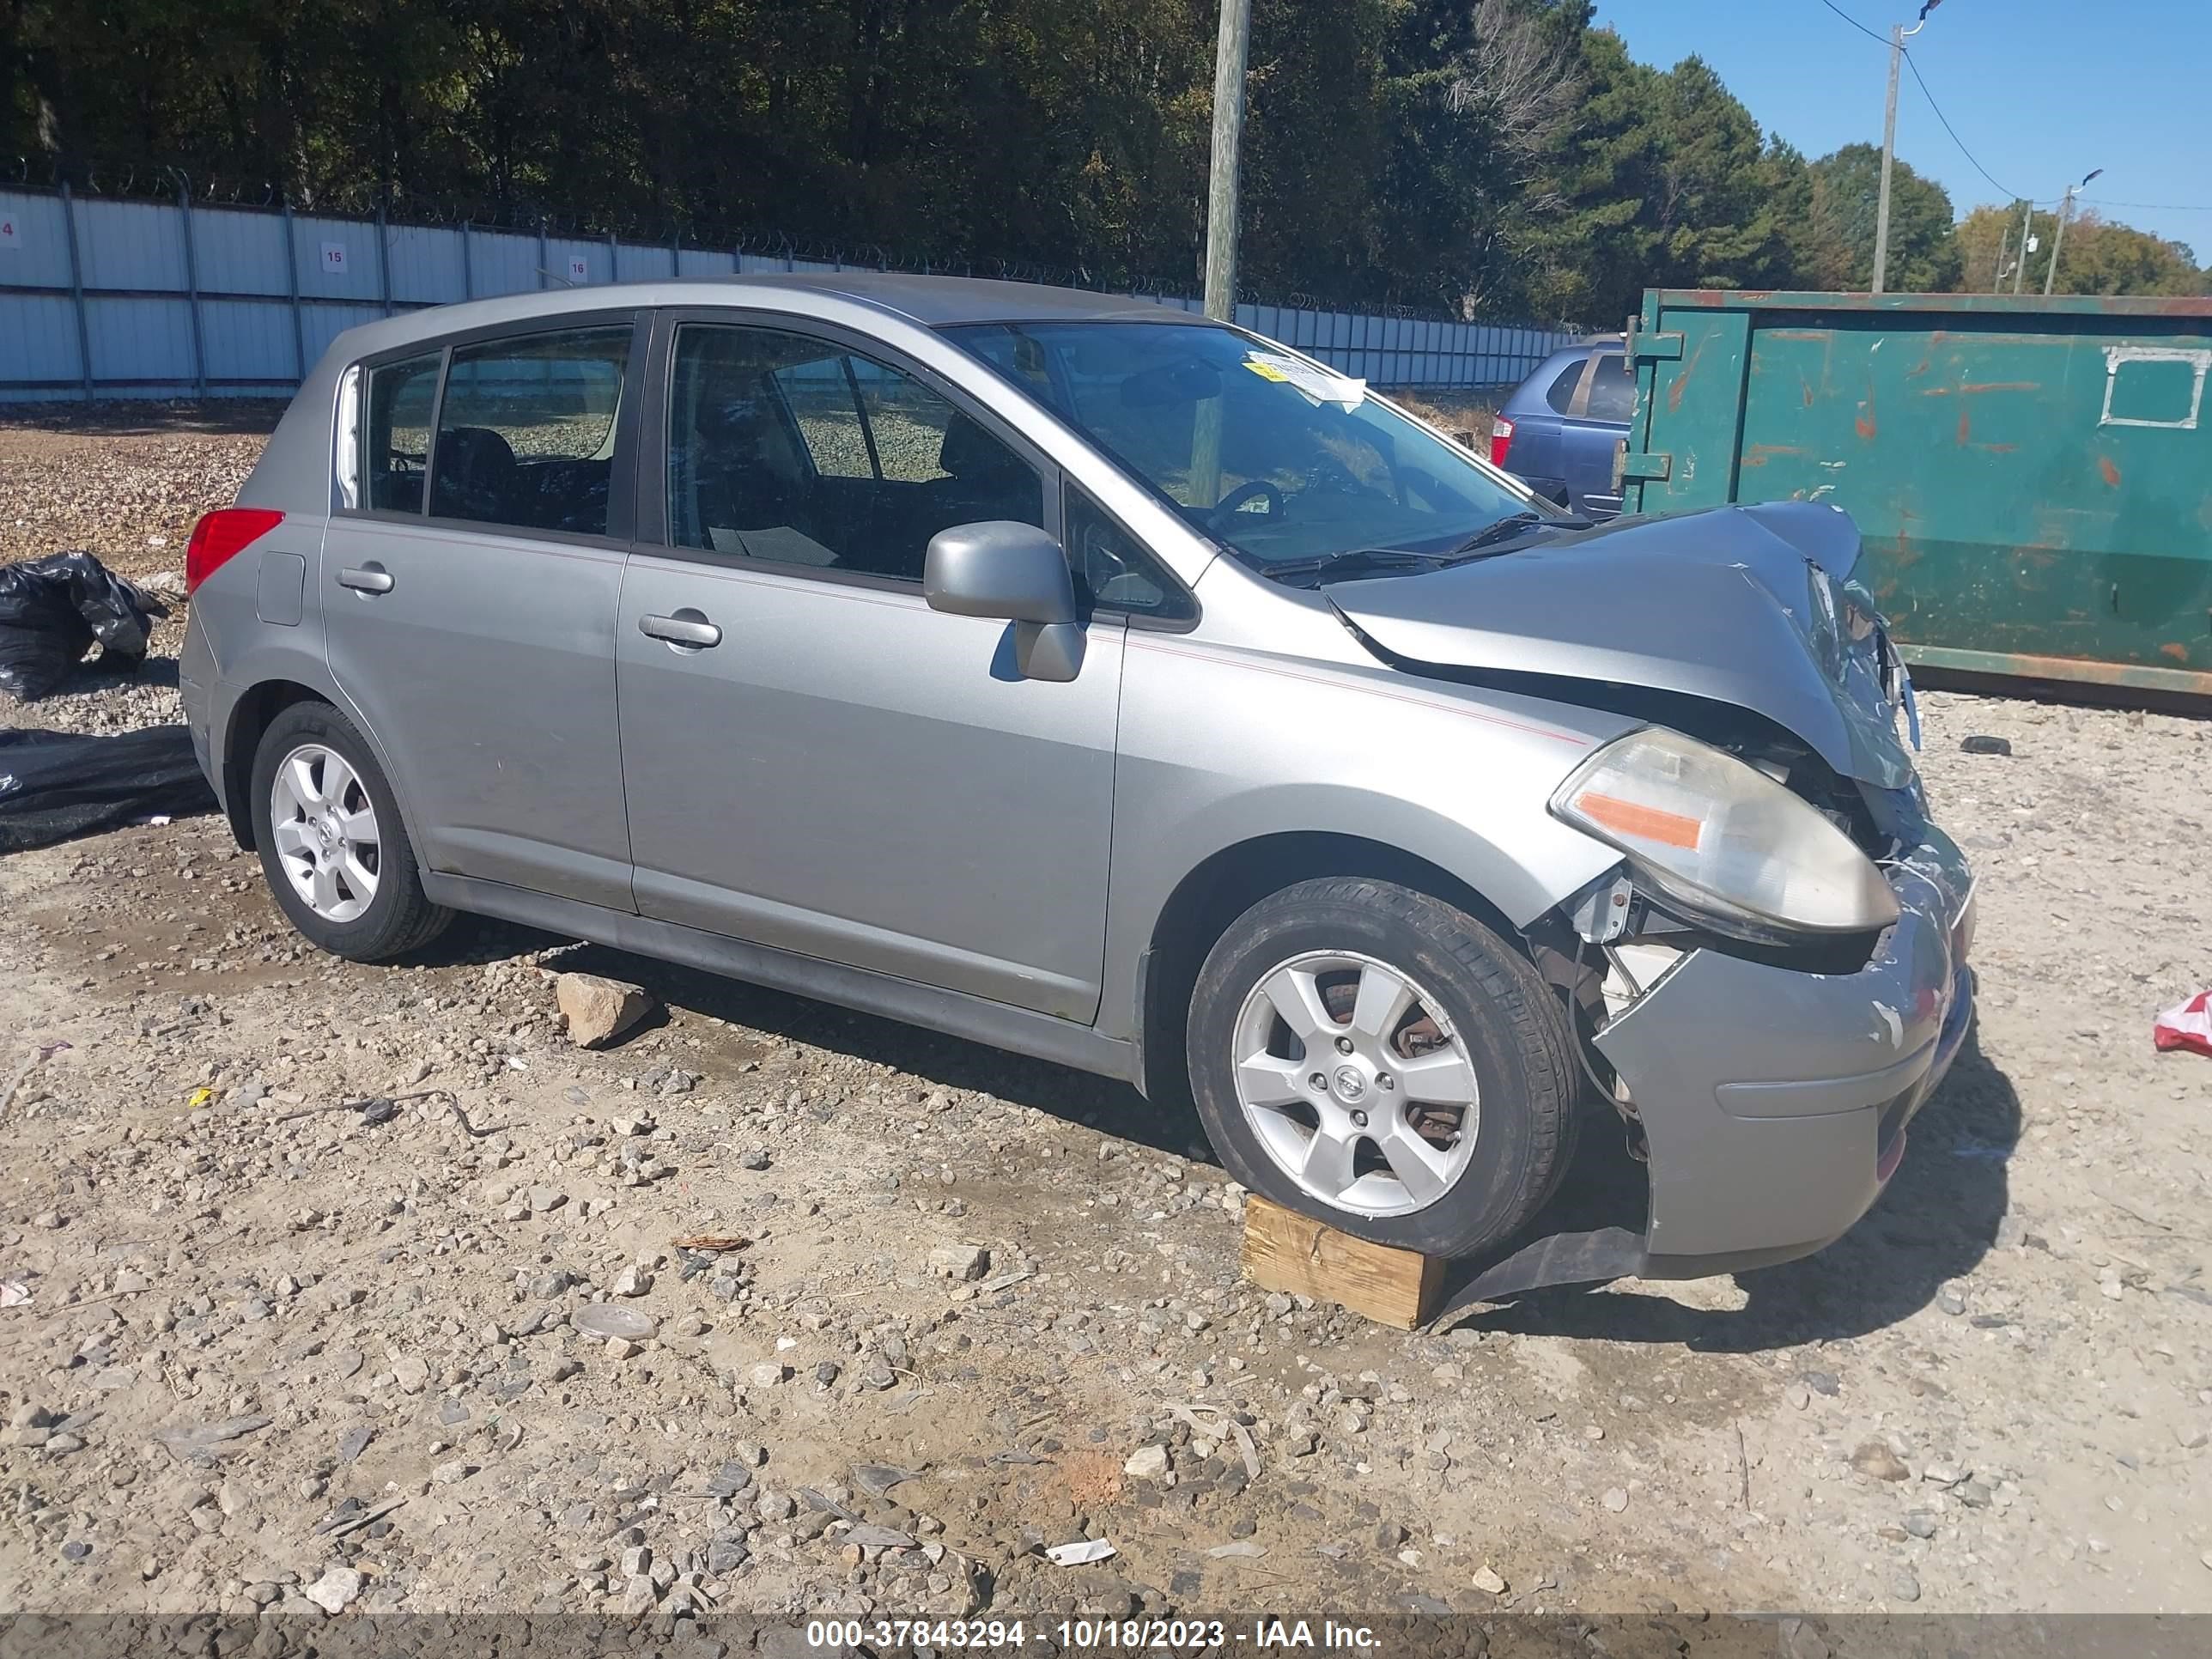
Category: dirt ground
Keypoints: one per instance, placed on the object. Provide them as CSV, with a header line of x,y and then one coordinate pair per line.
x,y
1457,412
243,1324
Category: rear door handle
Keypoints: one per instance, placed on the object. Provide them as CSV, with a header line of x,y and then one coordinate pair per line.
x,y
687,627
370,578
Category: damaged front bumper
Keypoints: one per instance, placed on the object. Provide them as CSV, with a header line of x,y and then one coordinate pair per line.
x,y
1774,1102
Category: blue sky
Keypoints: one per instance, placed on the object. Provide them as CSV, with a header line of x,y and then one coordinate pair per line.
x,y
2040,90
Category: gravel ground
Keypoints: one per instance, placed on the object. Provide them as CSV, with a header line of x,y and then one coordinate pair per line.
x,y
125,481
252,1323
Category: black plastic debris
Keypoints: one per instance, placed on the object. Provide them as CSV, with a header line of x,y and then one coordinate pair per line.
x,y
1981,745
57,785
53,609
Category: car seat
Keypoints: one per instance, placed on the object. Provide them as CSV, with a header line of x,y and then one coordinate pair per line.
x,y
472,475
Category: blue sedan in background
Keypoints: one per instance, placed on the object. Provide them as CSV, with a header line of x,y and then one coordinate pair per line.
x,y
1563,426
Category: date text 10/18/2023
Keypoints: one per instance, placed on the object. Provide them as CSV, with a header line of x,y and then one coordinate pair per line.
x,y
1136,1635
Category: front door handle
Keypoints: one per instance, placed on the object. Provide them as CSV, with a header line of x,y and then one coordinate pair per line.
x,y
687,628
370,578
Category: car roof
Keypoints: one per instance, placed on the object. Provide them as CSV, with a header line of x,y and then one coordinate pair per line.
x,y
938,300
1529,397
927,301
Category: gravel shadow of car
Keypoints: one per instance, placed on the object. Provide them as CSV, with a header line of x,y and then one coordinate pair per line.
x,y
1112,1108
1936,1220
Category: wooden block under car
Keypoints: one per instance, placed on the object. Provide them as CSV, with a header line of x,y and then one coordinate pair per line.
x,y
1286,1251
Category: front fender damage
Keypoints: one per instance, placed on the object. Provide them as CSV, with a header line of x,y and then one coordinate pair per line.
x,y
1770,1105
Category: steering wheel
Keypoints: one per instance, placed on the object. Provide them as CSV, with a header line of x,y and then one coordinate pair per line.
x,y
1333,475
1255,491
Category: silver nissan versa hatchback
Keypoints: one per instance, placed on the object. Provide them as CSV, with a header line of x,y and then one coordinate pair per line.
x,y
1109,685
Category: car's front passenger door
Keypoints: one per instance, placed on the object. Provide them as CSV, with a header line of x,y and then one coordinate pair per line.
x,y
814,758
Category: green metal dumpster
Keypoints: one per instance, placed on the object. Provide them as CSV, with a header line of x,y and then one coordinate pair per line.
x,y
2033,477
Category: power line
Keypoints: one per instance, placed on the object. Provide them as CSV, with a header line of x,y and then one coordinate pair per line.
x,y
2148,207
1854,22
1920,82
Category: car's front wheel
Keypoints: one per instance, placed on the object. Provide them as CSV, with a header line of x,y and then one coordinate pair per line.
x,y
1380,1060
335,854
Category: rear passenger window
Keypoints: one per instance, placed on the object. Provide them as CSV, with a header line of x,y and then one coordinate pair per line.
x,y
1561,392
793,450
526,431
1612,389
397,436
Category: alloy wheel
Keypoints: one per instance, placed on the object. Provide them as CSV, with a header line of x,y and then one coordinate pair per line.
x,y
324,825
1353,1080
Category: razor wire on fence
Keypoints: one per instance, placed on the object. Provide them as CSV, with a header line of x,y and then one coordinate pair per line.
x,y
154,286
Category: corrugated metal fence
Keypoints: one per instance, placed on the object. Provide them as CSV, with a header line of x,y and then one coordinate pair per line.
x,y
101,297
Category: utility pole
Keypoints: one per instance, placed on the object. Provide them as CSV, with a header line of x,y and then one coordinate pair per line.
x,y
1898,34
2026,243
1228,135
2058,241
2004,246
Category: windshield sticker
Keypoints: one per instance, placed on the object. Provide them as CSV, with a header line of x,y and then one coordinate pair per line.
x,y
1317,385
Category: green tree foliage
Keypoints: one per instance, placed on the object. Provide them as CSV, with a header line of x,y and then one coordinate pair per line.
x,y
1923,255
1660,177
2098,256
1477,157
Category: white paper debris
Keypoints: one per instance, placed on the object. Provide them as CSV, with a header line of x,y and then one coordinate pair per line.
x,y
1084,1550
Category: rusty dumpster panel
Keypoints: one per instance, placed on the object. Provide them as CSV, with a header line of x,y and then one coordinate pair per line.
x,y
2033,478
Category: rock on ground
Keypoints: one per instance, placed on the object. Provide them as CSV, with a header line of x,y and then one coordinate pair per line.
x,y
599,1010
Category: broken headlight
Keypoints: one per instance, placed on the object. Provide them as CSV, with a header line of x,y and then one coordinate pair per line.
x,y
1723,841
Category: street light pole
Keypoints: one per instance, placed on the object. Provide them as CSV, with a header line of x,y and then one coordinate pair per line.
x,y
2058,241
1898,34
1228,134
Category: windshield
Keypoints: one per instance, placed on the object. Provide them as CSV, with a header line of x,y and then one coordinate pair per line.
x,y
1283,462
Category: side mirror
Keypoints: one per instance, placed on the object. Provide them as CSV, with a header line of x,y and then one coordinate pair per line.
x,y
1014,572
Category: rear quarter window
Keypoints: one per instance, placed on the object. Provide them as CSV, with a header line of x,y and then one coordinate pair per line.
x,y
1561,392
396,437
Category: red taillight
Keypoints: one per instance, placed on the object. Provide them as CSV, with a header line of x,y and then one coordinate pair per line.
x,y
221,535
1501,441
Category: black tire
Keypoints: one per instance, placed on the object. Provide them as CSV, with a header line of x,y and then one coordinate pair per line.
x,y
1511,1021
399,920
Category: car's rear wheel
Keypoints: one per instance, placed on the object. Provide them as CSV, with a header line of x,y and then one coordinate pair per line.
x,y
1380,1060
335,854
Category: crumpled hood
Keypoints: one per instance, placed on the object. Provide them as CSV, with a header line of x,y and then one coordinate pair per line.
x,y
1749,605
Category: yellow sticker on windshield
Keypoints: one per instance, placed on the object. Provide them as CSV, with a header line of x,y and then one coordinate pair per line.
x,y
1316,384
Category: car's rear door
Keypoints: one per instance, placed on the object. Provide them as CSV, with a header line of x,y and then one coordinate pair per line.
x,y
470,591
1593,432
1539,453
814,758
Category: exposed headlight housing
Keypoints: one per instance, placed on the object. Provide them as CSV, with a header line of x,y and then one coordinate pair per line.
x,y
1723,841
